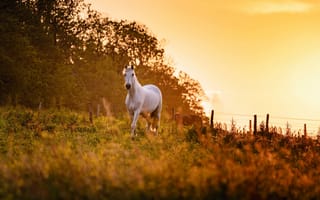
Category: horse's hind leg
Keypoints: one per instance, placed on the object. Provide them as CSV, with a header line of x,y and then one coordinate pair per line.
x,y
156,120
156,124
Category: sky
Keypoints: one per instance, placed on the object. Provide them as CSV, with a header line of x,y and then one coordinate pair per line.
x,y
251,57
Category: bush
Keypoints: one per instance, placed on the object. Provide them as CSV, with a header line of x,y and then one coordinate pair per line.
x,y
100,161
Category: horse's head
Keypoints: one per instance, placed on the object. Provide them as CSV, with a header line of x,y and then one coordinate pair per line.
x,y
129,78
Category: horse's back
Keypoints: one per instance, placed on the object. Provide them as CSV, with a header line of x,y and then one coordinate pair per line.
x,y
153,96
153,88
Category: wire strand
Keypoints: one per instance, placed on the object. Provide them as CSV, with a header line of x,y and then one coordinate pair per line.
x,y
273,117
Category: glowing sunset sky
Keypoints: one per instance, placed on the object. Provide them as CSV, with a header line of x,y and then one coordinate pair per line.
x,y
250,56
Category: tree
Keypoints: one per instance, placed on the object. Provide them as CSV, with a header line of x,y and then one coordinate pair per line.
x,y
130,42
18,58
64,52
192,93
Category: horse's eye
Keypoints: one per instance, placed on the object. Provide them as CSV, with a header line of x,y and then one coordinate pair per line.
x,y
132,75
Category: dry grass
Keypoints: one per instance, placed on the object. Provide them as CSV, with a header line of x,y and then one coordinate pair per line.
x,y
59,155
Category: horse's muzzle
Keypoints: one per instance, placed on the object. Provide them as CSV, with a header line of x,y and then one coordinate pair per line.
x,y
128,86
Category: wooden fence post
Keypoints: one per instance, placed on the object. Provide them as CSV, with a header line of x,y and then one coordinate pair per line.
x,y
255,124
90,113
98,110
288,130
305,130
173,114
250,127
39,108
267,123
211,119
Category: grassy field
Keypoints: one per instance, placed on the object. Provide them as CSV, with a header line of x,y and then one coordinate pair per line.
x,y
60,155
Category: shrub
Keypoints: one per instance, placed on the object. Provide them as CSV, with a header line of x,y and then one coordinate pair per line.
x,y
100,161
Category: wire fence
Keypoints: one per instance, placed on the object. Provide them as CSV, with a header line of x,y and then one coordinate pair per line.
x,y
241,122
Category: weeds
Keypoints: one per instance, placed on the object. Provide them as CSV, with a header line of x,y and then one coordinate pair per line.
x,y
61,155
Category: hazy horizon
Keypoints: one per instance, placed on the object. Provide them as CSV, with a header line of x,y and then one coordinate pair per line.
x,y
250,57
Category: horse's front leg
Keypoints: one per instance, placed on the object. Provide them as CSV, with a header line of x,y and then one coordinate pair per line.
x,y
134,122
149,122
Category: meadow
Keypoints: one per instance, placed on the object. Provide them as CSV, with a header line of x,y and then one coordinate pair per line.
x,y
59,154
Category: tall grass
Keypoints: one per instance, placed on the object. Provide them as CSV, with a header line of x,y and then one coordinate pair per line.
x,y
60,155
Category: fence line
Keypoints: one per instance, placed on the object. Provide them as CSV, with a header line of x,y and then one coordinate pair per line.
x,y
244,122
274,117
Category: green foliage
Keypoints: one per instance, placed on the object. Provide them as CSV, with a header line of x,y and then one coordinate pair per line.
x,y
65,54
192,135
80,160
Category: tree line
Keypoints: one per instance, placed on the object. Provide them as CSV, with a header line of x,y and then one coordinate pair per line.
x,y
63,53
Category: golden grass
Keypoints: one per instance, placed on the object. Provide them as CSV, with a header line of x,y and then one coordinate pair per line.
x,y
59,155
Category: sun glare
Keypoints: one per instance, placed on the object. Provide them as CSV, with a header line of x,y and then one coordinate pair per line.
x,y
279,7
212,101
305,79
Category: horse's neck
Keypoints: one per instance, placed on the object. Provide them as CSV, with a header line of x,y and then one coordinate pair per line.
x,y
136,87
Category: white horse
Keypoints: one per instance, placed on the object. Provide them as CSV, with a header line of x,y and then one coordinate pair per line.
x,y
145,100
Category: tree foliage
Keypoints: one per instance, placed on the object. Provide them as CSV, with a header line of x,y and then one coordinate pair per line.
x,y
64,53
